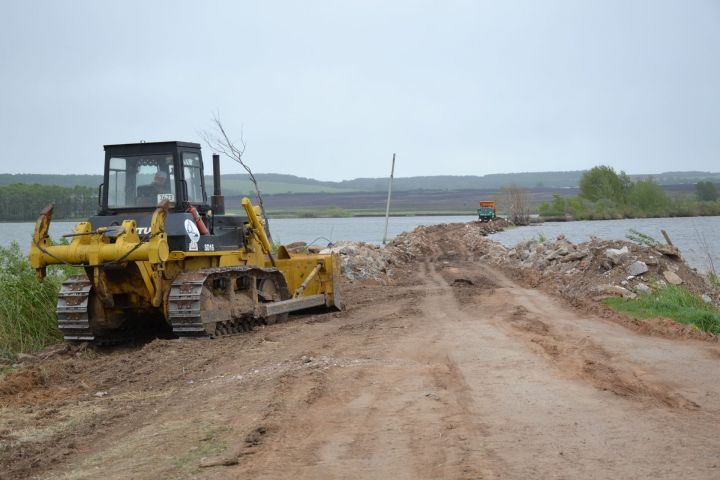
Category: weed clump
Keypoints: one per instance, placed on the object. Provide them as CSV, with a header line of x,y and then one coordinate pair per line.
x,y
27,306
671,302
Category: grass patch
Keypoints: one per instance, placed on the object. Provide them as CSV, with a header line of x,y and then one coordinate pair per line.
x,y
671,302
27,306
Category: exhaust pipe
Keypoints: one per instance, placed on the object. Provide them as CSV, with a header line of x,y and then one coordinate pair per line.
x,y
217,201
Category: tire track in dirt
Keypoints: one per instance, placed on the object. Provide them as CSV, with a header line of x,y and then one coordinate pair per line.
x,y
562,424
574,353
408,416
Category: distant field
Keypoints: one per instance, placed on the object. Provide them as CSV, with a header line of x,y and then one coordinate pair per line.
x,y
370,203
239,186
403,203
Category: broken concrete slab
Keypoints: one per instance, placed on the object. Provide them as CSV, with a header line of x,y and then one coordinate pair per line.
x,y
672,277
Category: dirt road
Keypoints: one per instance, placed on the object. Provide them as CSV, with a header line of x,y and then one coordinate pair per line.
x,y
455,372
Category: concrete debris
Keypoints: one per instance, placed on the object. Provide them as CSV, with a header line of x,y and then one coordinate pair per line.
x,y
637,268
617,256
669,251
616,290
672,277
577,272
363,261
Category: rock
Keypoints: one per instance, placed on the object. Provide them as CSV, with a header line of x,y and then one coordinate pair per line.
x,y
560,252
296,247
617,256
218,461
642,289
101,394
669,251
524,254
672,277
706,298
617,290
651,260
636,268
577,255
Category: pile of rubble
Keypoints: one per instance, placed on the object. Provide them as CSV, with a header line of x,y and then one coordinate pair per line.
x,y
578,272
362,261
601,268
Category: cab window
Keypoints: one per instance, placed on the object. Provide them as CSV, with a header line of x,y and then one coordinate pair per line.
x,y
140,181
192,170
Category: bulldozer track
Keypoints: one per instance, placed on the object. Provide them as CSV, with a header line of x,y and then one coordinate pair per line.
x,y
185,303
185,312
73,314
72,309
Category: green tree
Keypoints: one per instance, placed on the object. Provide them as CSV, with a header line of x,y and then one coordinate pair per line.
x,y
556,208
603,182
706,192
649,197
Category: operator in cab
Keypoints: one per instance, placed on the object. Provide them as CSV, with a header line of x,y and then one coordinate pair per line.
x,y
160,182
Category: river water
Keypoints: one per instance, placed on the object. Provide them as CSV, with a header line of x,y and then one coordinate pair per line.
x,y
697,237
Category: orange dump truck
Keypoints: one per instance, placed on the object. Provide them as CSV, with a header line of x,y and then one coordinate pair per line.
x,y
487,210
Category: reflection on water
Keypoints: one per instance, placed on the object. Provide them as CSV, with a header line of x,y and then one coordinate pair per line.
x,y
697,237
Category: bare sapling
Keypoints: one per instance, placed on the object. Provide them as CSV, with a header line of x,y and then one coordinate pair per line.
x,y
219,141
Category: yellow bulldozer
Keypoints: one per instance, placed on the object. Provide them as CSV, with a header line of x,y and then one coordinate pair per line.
x,y
157,250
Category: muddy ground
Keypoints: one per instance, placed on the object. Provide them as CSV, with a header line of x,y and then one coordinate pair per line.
x,y
444,365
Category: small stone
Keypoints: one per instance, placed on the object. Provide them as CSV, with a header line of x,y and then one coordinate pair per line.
x,y
672,277
524,254
706,298
218,461
642,289
101,394
636,268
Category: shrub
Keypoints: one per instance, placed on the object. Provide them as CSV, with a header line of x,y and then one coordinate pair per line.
x,y
27,306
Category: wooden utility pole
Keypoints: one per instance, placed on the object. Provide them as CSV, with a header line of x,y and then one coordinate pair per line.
x,y
387,209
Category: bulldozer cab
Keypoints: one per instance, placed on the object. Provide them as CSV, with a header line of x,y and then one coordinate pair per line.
x,y
138,176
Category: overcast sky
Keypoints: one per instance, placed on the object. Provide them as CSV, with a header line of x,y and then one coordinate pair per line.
x,y
330,89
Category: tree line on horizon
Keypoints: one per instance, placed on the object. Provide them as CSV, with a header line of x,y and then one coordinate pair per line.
x,y
23,203
238,184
